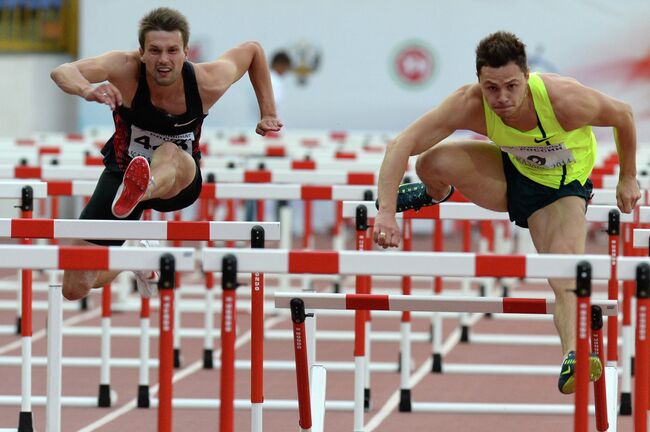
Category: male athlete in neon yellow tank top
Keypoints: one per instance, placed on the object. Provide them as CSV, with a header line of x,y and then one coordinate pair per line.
x,y
536,167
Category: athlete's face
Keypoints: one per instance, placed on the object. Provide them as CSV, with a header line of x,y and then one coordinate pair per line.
x,y
163,54
505,88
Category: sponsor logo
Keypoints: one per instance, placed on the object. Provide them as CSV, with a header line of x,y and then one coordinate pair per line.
x,y
184,124
413,64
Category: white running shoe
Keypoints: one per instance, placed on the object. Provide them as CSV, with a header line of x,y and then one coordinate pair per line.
x,y
147,280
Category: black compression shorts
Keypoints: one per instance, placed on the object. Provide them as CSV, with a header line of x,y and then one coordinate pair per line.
x,y
526,196
99,206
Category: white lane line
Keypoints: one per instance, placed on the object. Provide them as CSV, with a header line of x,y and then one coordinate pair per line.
x,y
198,365
93,313
424,370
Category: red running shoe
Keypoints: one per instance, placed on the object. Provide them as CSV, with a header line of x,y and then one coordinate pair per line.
x,y
133,187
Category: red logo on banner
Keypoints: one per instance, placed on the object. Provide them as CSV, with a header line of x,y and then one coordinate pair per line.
x,y
414,64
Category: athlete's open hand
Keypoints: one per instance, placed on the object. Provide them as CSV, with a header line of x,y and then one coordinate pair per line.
x,y
268,124
386,232
105,93
627,193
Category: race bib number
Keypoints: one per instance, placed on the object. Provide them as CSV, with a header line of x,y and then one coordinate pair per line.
x,y
544,156
144,142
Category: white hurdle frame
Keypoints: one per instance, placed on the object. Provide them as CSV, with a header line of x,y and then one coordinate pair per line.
x,y
445,264
78,258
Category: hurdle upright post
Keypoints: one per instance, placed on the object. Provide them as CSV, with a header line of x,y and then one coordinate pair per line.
x,y
298,317
228,330
642,348
166,342
367,246
614,232
257,336
583,293
143,398
600,388
627,355
104,395
24,323
177,301
405,331
54,355
208,341
361,223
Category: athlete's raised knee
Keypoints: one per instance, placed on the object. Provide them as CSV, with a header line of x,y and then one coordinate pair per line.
x,y
433,164
77,284
75,291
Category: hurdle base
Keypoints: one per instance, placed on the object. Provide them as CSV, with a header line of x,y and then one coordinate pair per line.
x,y
25,423
405,400
436,364
367,406
464,334
104,399
483,293
626,404
208,361
177,358
143,396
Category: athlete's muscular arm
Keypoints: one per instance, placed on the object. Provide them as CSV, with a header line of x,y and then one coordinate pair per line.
x,y
216,77
115,69
576,105
456,112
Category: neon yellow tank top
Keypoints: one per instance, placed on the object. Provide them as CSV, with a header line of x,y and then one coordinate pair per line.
x,y
546,154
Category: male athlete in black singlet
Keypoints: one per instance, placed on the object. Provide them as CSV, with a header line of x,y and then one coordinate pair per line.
x,y
159,101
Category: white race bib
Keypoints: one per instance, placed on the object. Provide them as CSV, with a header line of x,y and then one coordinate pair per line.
x,y
144,142
544,156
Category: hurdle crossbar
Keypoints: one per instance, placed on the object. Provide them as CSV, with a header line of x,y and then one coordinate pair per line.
x,y
134,230
234,190
92,258
641,237
379,263
470,211
13,189
428,303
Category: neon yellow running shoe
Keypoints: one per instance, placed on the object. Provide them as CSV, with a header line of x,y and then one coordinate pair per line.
x,y
566,384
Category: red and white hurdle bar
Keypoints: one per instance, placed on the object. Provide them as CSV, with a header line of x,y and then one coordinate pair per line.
x,y
14,189
470,211
86,258
429,303
298,302
32,228
384,263
404,264
134,230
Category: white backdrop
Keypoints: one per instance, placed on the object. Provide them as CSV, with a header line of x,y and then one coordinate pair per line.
x,y
603,44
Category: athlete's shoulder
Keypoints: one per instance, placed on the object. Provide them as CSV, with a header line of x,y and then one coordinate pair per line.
x,y
469,99
560,87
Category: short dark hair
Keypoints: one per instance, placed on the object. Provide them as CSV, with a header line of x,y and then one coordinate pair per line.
x,y
165,19
281,58
499,49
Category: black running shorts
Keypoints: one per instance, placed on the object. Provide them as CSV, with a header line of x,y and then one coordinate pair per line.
x,y
99,206
526,196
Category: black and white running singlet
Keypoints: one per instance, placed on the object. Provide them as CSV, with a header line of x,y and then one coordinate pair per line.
x,y
141,129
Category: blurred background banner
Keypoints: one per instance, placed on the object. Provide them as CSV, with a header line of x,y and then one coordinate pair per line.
x,y
374,65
